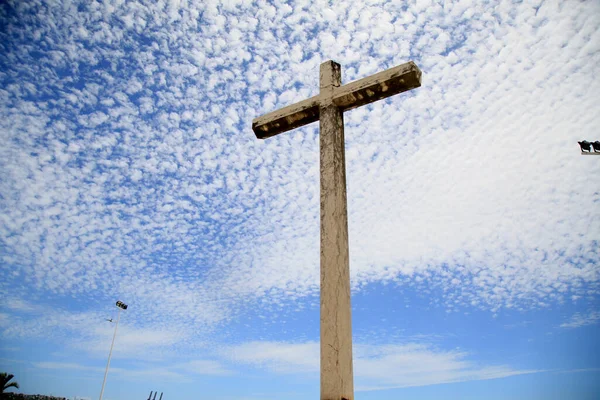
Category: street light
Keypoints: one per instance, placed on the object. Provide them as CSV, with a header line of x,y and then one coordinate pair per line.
x,y
586,147
121,306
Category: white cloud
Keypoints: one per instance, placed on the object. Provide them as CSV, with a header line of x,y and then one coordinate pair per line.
x,y
277,357
393,366
205,367
582,319
375,366
179,372
129,169
155,373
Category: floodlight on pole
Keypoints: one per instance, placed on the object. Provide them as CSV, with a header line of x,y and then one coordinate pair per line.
x,y
586,147
121,306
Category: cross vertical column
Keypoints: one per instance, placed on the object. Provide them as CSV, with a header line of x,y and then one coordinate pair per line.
x,y
328,107
336,324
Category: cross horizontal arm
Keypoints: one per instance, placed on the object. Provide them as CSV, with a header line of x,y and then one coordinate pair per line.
x,y
286,118
378,86
355,94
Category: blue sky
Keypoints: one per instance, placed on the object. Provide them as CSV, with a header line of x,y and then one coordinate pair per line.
x,y
129,171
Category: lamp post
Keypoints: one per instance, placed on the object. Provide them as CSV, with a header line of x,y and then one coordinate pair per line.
x,y
121,306
586,147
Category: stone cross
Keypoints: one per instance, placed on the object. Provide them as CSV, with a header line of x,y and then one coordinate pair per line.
x,y
328,107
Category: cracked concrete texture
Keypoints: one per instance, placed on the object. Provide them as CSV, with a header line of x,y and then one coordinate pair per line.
x,y
346,97
336,319
337,379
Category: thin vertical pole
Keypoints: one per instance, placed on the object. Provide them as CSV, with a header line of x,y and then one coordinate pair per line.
x,y
110,354
336,324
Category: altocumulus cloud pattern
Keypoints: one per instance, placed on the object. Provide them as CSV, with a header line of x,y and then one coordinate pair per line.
x,y
129,170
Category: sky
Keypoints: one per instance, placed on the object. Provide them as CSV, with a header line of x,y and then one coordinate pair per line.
x,y
129,171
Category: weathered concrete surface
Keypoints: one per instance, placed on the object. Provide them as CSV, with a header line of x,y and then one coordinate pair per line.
x,y
286,118
354,94
336,322
328,107
378,86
